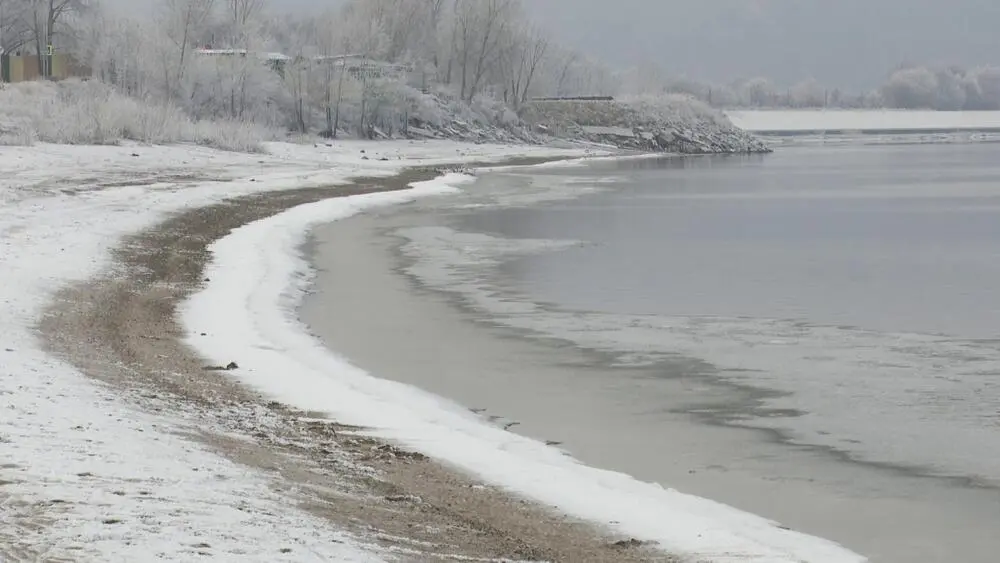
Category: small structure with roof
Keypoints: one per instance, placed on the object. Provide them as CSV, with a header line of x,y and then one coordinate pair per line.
x,y
361,67
276,61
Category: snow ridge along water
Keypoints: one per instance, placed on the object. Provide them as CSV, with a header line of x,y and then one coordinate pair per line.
x,y
85,474
248,314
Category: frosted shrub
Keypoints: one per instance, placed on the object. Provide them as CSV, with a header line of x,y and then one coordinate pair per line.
x,y
93,113
15,124
494,111
154,123
442,106
81,113
427,109
237,136
676,108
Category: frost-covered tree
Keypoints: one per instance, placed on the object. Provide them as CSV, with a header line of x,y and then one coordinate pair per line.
x,y
117,51
184,24
46,26
911,88
349,38
479,29
523,51
15,30
757,92
949,88
951,93
557,71
244,12
807,94
985,82
691,88
431,38
645,78
236,87
298,39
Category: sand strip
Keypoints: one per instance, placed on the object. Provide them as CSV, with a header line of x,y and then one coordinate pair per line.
x,y
122,330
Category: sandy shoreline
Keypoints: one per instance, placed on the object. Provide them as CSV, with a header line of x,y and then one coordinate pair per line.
x,y
122,331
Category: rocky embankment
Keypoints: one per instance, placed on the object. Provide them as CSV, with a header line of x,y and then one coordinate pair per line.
x,y
668,124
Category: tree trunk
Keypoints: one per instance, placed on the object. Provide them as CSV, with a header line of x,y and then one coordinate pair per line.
x,y
364,109
300,111
38,46
465,72
340,97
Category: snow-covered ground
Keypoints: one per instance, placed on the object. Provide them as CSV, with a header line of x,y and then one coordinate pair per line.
x,y
84,476
248,310
801,121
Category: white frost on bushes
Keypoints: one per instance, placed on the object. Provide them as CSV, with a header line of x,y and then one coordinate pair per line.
x,y
677,108
93,113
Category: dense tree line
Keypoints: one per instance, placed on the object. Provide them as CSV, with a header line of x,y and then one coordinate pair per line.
x,y
911,87
951,88
366,68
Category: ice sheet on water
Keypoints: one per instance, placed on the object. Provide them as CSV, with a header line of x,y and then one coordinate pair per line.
x,y
915,400
523,189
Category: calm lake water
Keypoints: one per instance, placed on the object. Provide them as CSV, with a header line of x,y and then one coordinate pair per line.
x,y
886,238
857,287
840,302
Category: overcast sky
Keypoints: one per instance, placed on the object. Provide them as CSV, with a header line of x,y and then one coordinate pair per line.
x,y
848,43
851,44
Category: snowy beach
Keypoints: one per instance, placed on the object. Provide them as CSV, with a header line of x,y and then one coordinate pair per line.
x,y
469,280
161,385
117,444
123,444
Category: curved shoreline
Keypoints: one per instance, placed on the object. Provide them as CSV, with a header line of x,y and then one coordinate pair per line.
x,y
271,337
122,330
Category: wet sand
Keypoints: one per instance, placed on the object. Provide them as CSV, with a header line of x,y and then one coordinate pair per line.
x,y
366,308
